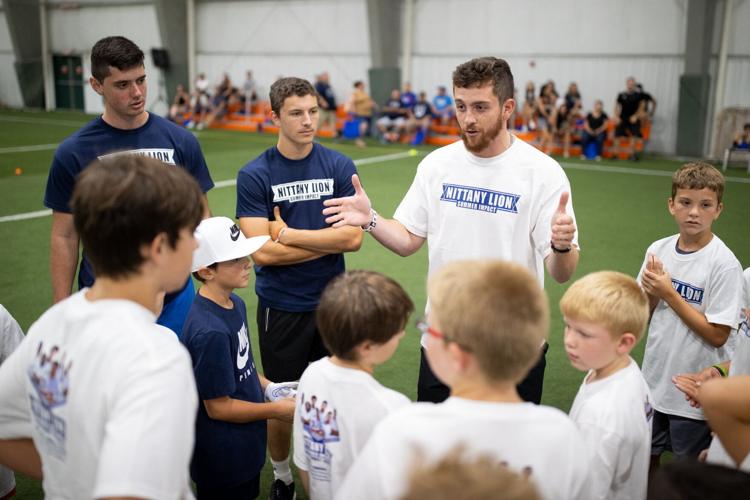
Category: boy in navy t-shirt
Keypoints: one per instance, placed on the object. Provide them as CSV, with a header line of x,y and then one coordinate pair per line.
x,y
230,437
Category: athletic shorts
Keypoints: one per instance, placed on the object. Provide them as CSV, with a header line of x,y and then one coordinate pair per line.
x,y
243,491
627,129
288,341
685,437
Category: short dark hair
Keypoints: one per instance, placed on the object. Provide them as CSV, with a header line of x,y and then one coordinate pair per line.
x,y
287,87
123,203
358,306
698,175
115,51
486,70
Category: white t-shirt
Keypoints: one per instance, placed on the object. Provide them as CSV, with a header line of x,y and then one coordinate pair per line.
x,y
470,207
11,336
534,439
330,434
109,399
614,416
710,280
740,365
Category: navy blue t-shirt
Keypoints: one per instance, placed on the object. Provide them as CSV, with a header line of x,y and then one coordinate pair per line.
x,y
422,109
158,138
298,188
326,91
226,454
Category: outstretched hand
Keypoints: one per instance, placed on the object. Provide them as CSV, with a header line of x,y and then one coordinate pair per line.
x,y
563,227
351,210
690,383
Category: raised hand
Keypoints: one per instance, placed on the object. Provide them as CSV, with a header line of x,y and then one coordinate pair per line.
x,y
351,210
563,227
276,225
654,264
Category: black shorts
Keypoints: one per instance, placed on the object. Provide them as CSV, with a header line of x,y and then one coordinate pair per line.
x,y
289,341
684,437
430,388
244,491
627,129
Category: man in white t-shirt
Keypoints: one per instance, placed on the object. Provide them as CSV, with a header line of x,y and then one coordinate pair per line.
x,y
486,322
490,195
361,319
98,399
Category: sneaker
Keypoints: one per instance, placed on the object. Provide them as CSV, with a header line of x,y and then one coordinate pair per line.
x,y
282,491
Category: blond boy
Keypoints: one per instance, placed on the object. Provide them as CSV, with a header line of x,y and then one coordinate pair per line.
x,y
605,315
694,285
486,322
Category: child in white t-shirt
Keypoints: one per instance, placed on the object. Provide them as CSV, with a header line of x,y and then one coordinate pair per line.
x,y
107,395
694,283
486,323
361,319
605,316
10,336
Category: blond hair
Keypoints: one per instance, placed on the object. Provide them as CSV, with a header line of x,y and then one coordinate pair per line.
x,y
494,309
610,299
698,175
458,477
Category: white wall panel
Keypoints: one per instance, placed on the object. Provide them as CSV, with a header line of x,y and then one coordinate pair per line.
x,y
10,93
284,37
75,31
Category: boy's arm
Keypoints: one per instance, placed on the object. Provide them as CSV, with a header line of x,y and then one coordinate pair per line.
x,y
63,255
239,412
328,240
21,456
273,253
726,403
305,478
660,285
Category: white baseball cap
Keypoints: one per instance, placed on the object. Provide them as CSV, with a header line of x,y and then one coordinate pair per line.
x,y
220,239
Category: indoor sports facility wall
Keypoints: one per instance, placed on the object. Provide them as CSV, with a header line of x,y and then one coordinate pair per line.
x,y
597,44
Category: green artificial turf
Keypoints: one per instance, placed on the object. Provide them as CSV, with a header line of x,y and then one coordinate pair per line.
x,y
620,208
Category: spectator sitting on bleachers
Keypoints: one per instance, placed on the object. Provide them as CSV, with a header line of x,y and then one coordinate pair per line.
x,y
563,120
327,102
408,98
420,117
546,108
443,105
529,111
180,105
249,93
360,105
573,98
594,131
201,102
628,110
742,139
392,121
649,104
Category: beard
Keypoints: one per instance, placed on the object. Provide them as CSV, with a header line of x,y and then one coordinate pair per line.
x,y
479,143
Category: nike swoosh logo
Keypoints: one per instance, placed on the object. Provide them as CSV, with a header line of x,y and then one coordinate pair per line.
x,y
243,349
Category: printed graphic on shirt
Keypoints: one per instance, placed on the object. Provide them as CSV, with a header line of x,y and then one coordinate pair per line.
x,y
480,199
243,348
165,155
311,189
49,376
692,294
320,427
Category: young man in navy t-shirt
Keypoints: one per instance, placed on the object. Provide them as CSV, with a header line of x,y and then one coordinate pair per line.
x,y
281,194
125,127
230,429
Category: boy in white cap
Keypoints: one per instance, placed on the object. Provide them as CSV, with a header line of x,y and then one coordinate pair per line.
x,y
230,437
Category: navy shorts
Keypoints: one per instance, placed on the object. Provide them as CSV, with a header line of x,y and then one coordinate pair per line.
x,y
288,341
685,437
